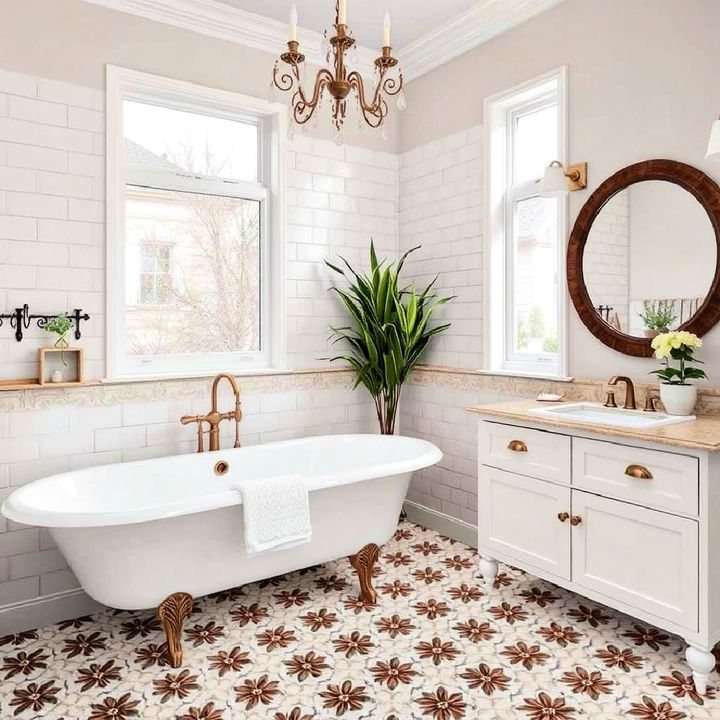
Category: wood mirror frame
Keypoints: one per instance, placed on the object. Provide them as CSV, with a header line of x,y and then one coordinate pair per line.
x,y
703,188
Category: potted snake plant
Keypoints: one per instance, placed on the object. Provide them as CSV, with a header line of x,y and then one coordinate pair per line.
x,y
389,330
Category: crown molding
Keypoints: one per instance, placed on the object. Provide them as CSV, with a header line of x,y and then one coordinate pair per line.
x,y
225,22
486,20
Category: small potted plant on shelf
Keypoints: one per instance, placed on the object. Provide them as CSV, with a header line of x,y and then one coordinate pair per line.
x,y
657,316
59,326
677,350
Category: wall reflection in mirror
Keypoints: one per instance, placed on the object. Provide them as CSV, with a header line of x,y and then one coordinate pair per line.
x,y
650,258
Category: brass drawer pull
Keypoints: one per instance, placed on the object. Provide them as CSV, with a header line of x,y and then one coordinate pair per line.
x,y
575,520
563,516
639,472
517,446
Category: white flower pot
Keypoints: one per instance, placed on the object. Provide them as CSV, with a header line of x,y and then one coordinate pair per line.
x,y
678,399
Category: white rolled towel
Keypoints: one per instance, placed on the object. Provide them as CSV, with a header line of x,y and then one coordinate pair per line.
x,y
276,512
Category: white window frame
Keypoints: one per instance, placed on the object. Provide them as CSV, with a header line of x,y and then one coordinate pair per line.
x,y
125,84
500,111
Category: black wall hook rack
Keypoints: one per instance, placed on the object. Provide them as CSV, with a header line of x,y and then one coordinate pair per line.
x,y
20,320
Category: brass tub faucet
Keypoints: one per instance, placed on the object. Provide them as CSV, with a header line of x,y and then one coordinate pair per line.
x,y
629,390
214,417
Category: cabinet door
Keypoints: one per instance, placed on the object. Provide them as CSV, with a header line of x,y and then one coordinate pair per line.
x,y
519,519
645,558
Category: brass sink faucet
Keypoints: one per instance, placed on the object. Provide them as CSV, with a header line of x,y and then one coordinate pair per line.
x,y
214,418
629,392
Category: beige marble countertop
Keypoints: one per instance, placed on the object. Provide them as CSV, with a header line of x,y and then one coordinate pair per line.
x,y
701,434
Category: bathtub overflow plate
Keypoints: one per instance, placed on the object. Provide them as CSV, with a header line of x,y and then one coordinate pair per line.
x,y
221,467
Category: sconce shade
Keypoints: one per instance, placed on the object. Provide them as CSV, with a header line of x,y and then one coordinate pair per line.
x,y
554,182
713,149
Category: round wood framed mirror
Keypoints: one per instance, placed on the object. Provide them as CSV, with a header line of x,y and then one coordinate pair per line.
x,y
643,255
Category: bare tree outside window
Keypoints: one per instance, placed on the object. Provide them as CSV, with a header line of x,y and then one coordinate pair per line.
x,y
212,304
192,259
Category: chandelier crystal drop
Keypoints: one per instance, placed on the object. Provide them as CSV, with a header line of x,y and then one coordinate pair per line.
x,y
339,81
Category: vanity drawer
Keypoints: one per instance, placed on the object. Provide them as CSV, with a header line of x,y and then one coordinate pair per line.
x,y
654,478
537,453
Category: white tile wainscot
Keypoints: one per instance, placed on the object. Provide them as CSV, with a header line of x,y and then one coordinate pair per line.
x,y
645,543
43,432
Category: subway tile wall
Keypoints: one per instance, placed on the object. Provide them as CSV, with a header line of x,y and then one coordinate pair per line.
x,y
52,219
52,256
440,208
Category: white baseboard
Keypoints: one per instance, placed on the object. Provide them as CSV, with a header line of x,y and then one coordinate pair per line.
x,y
445,524
46,610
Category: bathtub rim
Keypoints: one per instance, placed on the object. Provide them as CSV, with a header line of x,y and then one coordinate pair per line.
x,y
16,509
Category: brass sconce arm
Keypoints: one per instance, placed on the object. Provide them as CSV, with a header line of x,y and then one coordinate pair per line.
x,y
576,174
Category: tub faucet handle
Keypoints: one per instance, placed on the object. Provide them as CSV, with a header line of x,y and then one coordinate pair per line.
x,y
199,419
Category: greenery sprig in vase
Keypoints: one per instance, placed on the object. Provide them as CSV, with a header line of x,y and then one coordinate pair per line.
x,y
59,325
677,350
389,332
657,316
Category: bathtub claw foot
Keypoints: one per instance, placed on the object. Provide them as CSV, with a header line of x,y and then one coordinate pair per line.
x,y
364,562
172,611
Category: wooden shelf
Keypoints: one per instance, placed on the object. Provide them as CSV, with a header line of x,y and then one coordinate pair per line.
x,y
34,384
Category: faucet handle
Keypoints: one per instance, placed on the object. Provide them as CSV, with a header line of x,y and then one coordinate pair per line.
x,y
651,403
610,399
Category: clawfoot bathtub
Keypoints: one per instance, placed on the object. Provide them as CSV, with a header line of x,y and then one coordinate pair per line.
x,y
156,533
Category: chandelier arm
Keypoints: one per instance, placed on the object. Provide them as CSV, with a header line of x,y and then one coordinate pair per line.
x,y
323,77
391,85
283,80
373,113
304,108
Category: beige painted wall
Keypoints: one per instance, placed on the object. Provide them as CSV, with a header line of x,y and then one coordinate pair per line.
x,y
72,40
644,82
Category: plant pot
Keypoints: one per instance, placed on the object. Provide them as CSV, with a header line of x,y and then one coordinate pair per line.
x,y
654,333
678,399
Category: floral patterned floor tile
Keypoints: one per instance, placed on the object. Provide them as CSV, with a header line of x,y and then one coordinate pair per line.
x,y
437,645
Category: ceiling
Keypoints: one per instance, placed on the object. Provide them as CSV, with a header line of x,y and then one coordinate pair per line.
x,y
426,33
411,18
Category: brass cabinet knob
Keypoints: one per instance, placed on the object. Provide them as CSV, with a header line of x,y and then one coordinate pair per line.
x,y
575,520
638,471
517,446
563,516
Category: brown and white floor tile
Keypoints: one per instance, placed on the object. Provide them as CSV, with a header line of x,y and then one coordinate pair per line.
x,y
303,647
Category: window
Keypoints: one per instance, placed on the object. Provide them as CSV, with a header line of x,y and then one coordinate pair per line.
x,y
525,276
194,219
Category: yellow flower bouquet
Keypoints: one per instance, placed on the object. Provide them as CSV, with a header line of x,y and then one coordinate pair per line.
x,y
677,350
678,346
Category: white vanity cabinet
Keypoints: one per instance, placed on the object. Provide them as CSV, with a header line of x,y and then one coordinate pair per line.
x,y
624,522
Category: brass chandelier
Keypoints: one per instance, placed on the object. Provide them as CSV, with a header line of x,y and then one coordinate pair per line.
x,y
339,83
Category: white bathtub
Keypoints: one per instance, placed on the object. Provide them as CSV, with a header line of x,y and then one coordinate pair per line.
x,y
137,532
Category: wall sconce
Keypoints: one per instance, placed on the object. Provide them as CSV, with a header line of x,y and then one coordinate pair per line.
x,y
713,148
558,181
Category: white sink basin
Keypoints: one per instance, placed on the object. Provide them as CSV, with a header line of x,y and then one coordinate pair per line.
x,y
593,414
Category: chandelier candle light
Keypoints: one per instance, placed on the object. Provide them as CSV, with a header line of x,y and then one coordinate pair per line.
x,y
339,82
